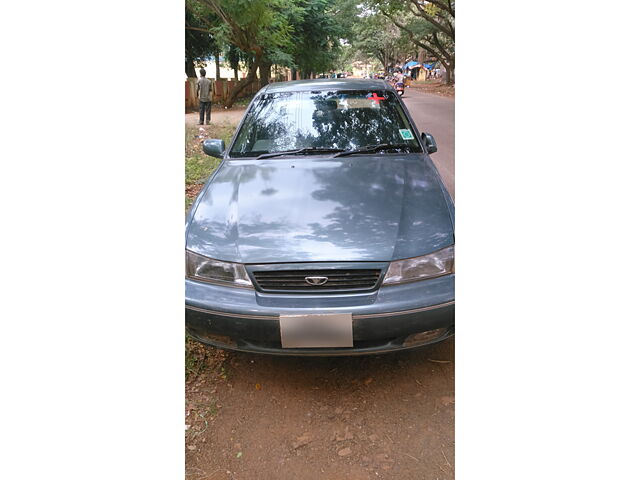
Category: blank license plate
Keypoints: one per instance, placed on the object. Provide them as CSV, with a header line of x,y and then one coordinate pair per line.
x,y
311,331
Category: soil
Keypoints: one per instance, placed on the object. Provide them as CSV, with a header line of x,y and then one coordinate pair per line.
x,y
193,190
218,116
435,87
262,417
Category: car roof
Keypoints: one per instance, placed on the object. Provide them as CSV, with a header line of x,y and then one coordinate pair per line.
x,y
327,84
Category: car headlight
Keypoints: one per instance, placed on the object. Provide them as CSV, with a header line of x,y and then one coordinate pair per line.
x,y
433,265
214,271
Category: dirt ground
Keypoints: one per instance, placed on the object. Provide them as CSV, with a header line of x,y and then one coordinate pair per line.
x,y
435,87
218,116
262,417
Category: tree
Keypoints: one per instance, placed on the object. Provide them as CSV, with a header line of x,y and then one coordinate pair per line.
x,y
200,43
256,27
318,27
306,35
377,37
429,25
235,57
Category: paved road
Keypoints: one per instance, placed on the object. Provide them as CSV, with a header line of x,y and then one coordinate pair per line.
x,y
435,115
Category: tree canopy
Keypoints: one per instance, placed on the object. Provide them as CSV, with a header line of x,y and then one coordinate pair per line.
x,y
429,25
315,36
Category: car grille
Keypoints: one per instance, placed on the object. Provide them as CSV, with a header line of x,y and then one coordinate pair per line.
x,y
337,280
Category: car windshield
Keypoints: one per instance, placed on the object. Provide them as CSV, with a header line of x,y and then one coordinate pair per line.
x,y
338,120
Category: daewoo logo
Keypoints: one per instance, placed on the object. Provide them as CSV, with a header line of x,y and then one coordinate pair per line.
x,y
316,280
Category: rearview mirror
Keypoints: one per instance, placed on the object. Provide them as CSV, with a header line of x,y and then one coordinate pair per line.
x,y
213,147
429,142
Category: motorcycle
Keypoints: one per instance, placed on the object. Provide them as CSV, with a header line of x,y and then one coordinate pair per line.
x,y
399,87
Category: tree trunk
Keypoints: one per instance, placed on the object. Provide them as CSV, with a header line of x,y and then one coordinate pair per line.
x,y
265,73
217,65
190,68
235,73
449,72
245,82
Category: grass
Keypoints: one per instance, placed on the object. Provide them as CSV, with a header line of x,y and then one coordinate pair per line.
x,y
194,357
199,357
213,408
239,102
244,101
197,165
198,168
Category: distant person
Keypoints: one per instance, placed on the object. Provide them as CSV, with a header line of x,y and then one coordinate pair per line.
x,y
205,89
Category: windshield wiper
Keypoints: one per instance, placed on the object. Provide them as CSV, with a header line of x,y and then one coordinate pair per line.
x,y
374,148
300,151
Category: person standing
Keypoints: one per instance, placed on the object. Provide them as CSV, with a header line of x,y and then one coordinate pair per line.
x,y
204,89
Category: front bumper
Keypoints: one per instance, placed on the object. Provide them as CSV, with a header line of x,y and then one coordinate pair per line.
x,y
246,320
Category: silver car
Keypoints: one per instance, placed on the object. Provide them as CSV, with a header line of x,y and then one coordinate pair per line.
x,y
325,230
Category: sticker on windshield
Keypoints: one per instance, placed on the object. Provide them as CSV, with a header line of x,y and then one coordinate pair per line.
x,y
406,134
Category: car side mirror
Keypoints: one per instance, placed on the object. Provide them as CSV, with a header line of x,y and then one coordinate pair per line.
x,y
429,142
213,147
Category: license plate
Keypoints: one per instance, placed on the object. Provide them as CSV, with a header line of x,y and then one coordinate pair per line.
x,y
316,331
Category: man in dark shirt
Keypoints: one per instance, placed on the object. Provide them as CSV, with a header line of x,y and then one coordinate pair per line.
x,y
205,89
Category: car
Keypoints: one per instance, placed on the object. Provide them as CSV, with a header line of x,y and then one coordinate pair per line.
x,y
325,230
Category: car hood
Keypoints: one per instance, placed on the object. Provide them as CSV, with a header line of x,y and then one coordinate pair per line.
x,y
309,209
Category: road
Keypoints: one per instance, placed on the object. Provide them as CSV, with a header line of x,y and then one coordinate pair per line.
x,y
435,115
379,417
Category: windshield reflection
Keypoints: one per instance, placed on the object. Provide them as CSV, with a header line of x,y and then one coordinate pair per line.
x,y
341,120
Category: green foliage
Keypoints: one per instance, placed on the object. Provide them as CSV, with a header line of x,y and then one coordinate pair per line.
x,y
375,36
194,358
254,26
318,26
348,54
200,42
344,13
307,35
318,35
428,25
188,201
198,167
